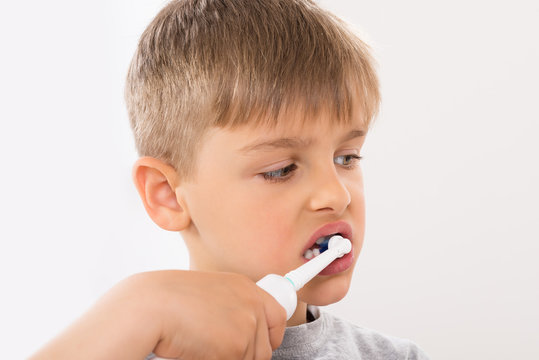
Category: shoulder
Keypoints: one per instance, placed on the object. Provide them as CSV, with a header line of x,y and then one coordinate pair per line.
x,y
371,344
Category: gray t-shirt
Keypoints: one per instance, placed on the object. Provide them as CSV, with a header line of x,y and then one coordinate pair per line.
x,y
328,337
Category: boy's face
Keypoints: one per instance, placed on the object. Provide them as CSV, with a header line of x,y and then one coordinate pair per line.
x,y
260,195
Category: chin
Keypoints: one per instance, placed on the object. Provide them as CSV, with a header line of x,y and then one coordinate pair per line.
x,y
325,290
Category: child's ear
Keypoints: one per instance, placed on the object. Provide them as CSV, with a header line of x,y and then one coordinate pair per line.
x,y
156,183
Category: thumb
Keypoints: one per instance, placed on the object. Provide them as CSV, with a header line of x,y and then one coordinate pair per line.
x,y
275,318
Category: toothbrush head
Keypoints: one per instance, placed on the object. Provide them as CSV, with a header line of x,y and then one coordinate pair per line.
x,y
343,246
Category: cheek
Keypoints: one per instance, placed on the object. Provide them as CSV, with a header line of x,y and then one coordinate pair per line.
x,y
269,223
357,193
358,214
357,203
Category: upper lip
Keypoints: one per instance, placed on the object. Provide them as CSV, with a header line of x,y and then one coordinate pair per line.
x,y
341,227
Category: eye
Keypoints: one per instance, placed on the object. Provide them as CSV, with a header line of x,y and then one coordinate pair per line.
x,y
282,174
348,161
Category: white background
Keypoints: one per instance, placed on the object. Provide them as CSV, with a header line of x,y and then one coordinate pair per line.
x,y
451,251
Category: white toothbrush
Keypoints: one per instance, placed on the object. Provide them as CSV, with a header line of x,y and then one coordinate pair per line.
x,y
283,288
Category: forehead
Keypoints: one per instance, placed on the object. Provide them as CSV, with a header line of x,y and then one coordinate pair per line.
x,y
292,130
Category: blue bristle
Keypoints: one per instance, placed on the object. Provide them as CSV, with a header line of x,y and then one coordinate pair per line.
x,y
324,245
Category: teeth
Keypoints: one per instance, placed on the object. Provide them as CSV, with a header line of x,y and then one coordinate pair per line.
x,y
316,252
308,254
321,240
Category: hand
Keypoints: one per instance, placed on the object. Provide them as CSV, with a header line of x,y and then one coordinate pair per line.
x,y
209,315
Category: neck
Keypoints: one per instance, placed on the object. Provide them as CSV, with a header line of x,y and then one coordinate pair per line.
x,y
300,315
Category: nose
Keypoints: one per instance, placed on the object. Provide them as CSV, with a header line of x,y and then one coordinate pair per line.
x,y
329,193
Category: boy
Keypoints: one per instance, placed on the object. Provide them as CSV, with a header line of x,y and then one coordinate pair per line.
x,y
250,116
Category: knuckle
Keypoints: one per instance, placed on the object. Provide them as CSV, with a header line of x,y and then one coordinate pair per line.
x,y
282,315
245,284
266,353
241,279
230,349
237,348
249,323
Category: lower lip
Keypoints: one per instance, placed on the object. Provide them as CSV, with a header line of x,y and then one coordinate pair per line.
x,y
338,265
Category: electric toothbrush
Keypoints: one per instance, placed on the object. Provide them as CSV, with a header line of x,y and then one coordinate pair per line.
x,y
283,288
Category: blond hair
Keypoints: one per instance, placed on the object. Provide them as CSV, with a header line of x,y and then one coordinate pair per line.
x,y
218,63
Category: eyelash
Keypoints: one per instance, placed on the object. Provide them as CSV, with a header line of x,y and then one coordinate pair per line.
x,y
271,176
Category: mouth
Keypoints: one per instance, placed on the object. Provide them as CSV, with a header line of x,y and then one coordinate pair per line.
x,y
318,243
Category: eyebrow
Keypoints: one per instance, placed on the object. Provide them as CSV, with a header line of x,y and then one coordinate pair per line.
x,y
292,142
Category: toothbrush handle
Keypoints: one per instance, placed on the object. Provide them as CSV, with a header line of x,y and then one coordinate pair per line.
x,y
282,290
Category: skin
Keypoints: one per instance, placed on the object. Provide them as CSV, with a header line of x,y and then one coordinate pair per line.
x,y
243,214
258,226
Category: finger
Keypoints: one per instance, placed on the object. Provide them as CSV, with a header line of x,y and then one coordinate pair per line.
x,y
262,341
275,319
250,331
